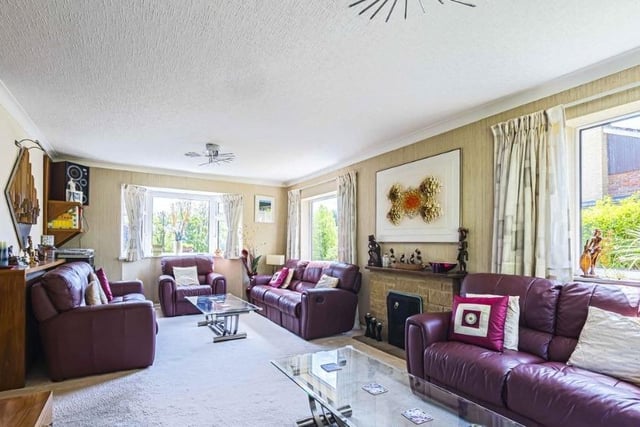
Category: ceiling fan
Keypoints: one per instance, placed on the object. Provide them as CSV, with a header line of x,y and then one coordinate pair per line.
x,y
213,155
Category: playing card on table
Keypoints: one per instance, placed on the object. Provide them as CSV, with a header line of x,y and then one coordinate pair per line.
x,y
417,416
374,388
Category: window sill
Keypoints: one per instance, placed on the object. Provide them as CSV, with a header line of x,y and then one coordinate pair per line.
x,y
606,281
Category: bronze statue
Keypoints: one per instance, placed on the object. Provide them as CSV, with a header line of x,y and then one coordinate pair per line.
x,y
375,259
463,255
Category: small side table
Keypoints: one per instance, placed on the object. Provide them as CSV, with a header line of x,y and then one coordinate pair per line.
x,y
27,410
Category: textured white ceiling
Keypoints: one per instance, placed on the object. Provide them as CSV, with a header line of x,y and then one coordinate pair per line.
x,y
291,87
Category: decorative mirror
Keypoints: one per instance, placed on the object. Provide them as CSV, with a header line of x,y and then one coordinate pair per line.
x,y
22,197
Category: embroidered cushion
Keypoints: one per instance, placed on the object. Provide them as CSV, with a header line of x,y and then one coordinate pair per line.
x,y
479,321
287,281
512,323
104,283
279,277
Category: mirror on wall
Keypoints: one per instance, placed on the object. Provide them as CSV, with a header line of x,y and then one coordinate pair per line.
x,y
22,197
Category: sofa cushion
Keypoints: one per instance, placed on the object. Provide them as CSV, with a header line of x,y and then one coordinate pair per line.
x,y
479,321
554,394
538,300
279,277
573,306
327,281
65,285
186,276
608,344
474,370
511,323
104,283
289,302
128,298
203,263
92,294
192,291
314,270
287,280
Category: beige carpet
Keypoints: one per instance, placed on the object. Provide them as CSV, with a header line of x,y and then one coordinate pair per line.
x,y
195,382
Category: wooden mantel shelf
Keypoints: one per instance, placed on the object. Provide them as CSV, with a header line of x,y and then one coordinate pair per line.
x,y
424,273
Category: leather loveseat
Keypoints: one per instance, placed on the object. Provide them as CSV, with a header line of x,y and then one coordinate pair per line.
x,y
79,339
303,309
534,385
173,297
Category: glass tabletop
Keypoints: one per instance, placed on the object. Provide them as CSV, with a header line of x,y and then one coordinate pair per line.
x,y
378,394
221,304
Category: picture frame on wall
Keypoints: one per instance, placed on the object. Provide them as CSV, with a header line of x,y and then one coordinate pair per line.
x,y
264,209
442,168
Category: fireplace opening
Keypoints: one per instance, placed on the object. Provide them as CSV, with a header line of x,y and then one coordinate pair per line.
x,y
399,307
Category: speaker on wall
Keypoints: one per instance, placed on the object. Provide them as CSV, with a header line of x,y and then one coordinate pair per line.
x,y
60,173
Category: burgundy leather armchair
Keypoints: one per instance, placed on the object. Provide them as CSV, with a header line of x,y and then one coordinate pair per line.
x,y
533,385
80,340
303,309
172,297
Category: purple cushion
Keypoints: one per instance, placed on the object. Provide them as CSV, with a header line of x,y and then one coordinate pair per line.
x,y
479,321
279,277
104,283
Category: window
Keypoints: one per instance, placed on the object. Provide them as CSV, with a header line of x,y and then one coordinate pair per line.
x,y
178,222
610,194
320,228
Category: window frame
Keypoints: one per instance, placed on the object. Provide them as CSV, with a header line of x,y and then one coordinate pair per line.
x,y
216,215
306,227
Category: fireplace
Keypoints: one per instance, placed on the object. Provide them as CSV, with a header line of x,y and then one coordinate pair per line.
x,y
399,307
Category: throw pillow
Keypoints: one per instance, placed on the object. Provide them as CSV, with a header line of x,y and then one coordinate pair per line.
x,y
327,282
479,321
104,283
287,281
91,293
103,297
279,277
609,344
185,276
512,323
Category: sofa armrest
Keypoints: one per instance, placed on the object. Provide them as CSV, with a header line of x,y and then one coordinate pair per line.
x,y
420,331
166,292
123,287
261,279
101,338
217,282
327,311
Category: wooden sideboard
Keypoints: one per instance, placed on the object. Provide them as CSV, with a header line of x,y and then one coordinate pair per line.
x,y
14,319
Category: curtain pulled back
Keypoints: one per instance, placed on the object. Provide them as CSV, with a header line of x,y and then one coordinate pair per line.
x,y
232,208
135,206
347,218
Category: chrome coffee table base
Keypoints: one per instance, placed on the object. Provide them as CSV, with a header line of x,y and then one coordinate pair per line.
x,y
320,418
224,326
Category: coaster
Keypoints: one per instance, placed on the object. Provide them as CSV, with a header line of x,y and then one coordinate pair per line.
x,y
374,388
417,416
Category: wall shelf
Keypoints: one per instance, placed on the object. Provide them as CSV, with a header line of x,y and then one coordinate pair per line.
x,y
54,209
424,273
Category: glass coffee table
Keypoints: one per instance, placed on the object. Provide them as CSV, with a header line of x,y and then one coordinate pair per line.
x,y
222,314
347,387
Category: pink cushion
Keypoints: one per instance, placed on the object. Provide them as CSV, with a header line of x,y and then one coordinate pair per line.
x,y
102,277
479,321
279,277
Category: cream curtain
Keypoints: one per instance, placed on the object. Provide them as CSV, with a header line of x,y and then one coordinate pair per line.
x,y
232,208
293,225
347,218
134,204
531,212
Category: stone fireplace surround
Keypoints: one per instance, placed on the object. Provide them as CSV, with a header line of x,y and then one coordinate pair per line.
x,y
436,289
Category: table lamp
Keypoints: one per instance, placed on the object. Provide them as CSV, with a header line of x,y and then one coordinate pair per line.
x,y
275,261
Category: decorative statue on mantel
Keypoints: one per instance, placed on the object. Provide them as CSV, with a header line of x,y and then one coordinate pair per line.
x,y
375,259
463,255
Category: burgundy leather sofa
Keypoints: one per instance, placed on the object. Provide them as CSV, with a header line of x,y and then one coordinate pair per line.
x,y
306,311
80,340
533,385
172,297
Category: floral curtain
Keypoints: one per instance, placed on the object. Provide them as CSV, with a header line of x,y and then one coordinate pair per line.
x,y
347,218
293,225
531,211
232,208
135,206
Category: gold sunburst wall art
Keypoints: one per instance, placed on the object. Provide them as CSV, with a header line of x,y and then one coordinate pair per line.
x,y
411,202
419,201
386,8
